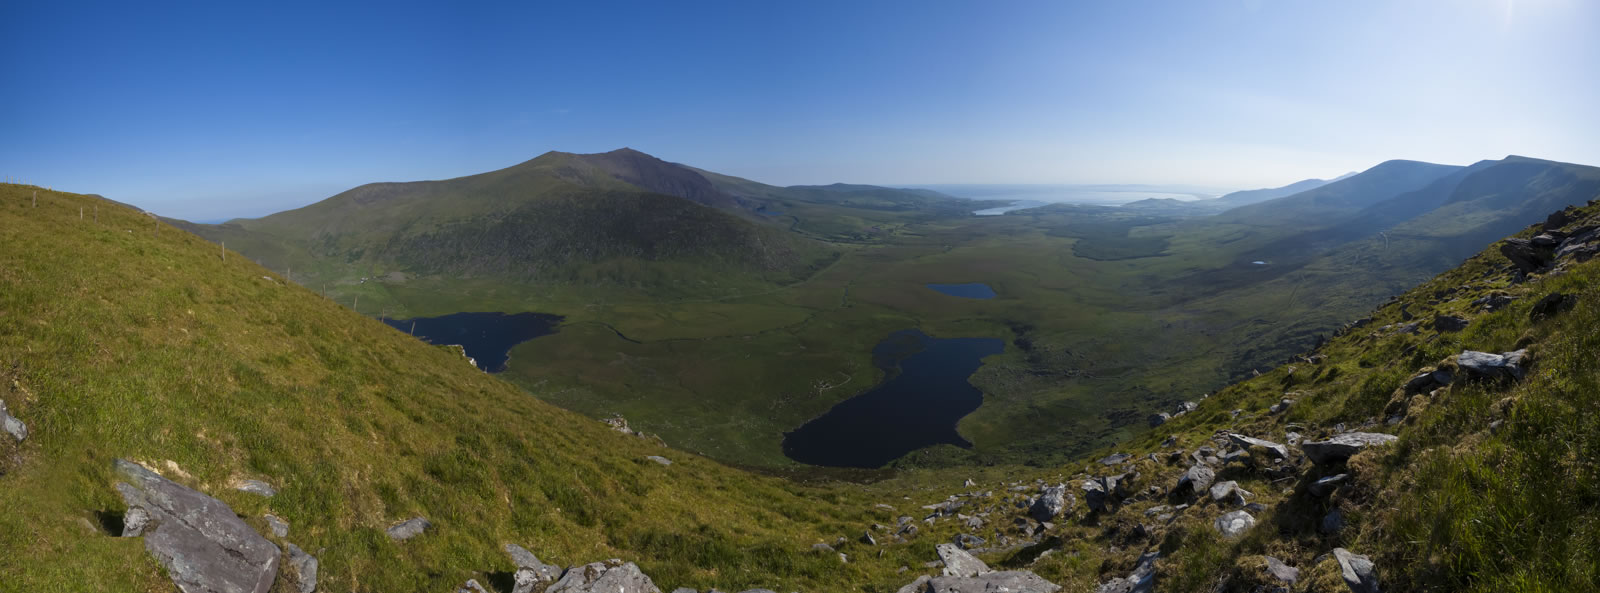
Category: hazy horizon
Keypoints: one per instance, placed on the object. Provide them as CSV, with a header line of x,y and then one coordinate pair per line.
x,y
218,111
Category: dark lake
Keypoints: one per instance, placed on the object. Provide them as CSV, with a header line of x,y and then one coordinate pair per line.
x,y
918,405
487,337
971,290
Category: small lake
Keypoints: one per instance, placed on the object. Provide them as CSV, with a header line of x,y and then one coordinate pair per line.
x,y
918,405
487,337
1018,205
970,290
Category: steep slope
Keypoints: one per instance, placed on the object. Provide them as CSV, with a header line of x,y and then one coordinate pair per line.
x,y
127,338
1253,196
1334,201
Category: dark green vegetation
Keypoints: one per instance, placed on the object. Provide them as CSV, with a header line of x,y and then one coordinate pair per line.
x,y
1110,313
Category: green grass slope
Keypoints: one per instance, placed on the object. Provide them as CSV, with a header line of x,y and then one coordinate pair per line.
x,y
128,338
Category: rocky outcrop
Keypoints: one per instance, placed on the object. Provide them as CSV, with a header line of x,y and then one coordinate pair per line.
x,y
204,546
659,459
1011,581
408,529
1196,480
1484,366
1427,381
11,424
1341,447
613,576
530,571
1285,574
1141,580
958,563
1357,571
1527,257
1276,450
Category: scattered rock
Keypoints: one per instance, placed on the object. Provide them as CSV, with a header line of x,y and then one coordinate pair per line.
x,y
1228,491
825,548
1011,581
256,487
1449,323
304,567
1486,366
278,527
1332,523
968,542
958,563
1197,479
530,571
471,586
1050,503
1159,419
969,483
134,521
1115,458
1253,444
659,459
1326,486
1234,524
619,424
1095,496
604,577
408,529
1281,407
1428,380
1494,302
11,424
1285,574
1141,580
203,545
1342,446
1552,304
1357,571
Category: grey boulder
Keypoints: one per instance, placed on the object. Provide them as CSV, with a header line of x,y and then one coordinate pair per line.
x,y
1011,581
602,577
305,569
204,546
1342,446
1234,524
408,529
11,424
1284,573
1141,580
1254,444
1449,323
659,459
1197,479
277,526
958,563
1357,571
1050,503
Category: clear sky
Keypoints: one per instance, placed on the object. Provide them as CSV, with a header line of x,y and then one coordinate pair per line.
x,y
218,109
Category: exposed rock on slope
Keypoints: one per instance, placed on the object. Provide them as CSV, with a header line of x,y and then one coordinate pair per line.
x,y
201,542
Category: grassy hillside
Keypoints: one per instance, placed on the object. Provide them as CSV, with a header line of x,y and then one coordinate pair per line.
x,y
616,222
128,338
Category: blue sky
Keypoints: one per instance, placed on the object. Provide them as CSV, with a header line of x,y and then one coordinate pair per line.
x,y
210,110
